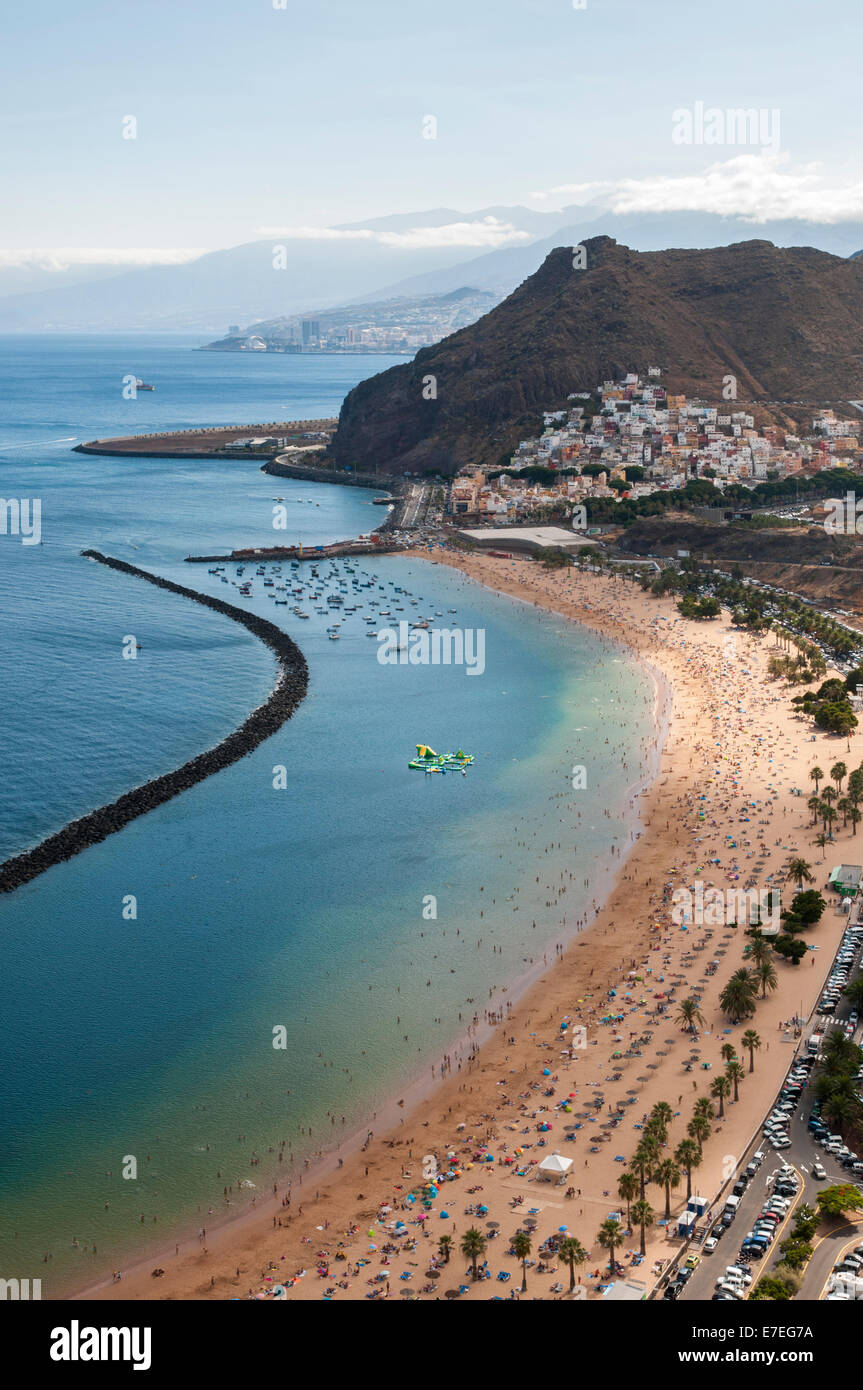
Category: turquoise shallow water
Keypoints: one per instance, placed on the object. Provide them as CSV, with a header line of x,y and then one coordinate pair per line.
x,y
256,907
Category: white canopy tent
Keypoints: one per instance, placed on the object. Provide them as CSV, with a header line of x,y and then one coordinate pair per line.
x,y
555,1167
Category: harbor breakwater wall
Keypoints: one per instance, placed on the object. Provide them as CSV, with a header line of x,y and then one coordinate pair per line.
x,y
308,474
213,441
290,688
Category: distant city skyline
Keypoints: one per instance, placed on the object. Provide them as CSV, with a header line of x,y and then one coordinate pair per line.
x,y
163,132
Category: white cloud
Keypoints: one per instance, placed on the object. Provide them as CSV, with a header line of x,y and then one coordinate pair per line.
x,y
755,187
485,234
63,257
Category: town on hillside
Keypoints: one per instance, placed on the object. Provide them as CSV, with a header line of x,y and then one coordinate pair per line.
x,y
630,439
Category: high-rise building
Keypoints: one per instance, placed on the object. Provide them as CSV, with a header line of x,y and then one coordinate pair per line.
x,y
311,332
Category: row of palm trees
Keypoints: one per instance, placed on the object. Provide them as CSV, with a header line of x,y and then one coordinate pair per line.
x,y
826,806
474,1244
648,1164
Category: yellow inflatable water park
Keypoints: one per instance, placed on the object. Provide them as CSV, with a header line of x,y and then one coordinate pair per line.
x,y
427,760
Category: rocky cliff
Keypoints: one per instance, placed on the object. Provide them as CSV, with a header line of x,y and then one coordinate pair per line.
x,y
787,324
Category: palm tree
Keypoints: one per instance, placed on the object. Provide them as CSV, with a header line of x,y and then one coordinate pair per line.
x,y
720,1087
765,973
610,1235
655,1129
727,1052
573,1253
814,804
699,1129
644,1158
738,997
521,1247
473,1245
854,993
735,1074
662,1113
801,872
627,1190
666,1174
690,1014
444,1247
644,1216
837,773
704,1107
759,951
828,816
817,776
822,841
751,1042
688,1156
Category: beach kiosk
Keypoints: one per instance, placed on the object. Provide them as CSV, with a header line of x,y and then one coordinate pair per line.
x,y
845,879
554,1168
686,1223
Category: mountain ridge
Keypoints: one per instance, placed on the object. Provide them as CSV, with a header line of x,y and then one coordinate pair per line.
x,y
785,322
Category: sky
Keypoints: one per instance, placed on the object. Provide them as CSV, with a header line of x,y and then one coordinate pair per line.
x,y
251,115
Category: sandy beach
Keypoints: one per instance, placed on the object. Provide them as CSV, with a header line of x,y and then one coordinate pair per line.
x,y
721,809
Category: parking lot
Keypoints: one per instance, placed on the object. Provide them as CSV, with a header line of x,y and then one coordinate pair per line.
x,y
795,1157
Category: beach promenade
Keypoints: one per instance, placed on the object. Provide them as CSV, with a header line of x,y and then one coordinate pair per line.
x,y
721,810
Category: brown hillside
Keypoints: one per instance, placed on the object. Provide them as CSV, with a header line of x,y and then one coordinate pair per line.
x,y
787,323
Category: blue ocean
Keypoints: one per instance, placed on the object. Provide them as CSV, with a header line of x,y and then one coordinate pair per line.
x,y
367,910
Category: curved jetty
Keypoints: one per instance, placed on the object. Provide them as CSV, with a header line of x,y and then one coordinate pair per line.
x,y
289,690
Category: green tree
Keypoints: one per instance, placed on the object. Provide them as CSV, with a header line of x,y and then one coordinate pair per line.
x,y
521,1248
699,1129
800,871
666,1174
737,999
473,1244
837,1200
735,1073
837,773
765,974
690,1014
751,1042
444,1247
720,1087
628,1189
688,1156
644,1158
790,947
610,1235
644,1216
573,1253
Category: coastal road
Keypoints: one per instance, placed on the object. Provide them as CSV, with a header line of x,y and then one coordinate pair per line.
x,y
829,1249
416,505
800,1155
